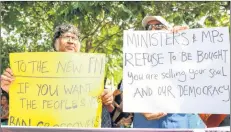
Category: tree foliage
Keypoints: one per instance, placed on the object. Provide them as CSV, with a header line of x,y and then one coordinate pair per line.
x,y
28,26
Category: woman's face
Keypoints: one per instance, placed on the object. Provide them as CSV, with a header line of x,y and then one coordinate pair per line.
x,y
4,100
68,42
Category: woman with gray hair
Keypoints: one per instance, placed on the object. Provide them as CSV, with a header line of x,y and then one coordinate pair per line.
x,y
66,39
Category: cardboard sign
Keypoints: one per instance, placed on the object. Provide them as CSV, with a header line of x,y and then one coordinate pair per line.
x,y
184,72
56,89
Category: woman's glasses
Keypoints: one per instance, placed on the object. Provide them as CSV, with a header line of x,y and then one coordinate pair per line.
x,y
70,39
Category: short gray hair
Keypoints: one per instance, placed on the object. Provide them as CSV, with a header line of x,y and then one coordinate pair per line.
x,y
64,28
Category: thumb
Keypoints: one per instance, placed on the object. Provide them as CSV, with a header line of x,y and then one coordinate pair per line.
x,y
104,92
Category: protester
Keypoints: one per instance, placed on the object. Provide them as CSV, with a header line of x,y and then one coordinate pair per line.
x,y
4,108
106,117
66,39
119,118
164,120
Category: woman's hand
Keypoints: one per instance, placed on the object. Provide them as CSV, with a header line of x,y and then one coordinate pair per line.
x,y
6,79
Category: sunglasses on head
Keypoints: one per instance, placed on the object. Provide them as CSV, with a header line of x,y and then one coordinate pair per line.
x,y
156,26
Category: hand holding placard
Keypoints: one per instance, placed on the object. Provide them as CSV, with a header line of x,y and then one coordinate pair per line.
x,y
60,90
6,79
174,72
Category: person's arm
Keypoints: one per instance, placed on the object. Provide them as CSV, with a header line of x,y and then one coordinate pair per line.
x,y
110,108
154,116
107,100
5,116
6,79
116,92
116,105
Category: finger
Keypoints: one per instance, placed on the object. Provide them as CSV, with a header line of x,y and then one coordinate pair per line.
x,y
109,100
161,115
9,71
5,78
7,74
5,82
104,93
156,115
105,101
107,95
182,28
108,103
176,29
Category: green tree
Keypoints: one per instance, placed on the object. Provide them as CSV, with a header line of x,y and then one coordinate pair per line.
x,y
28,26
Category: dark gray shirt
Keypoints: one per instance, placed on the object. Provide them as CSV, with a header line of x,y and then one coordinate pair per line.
x,y
106,119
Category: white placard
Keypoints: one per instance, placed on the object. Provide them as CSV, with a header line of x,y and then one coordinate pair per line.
x,y
184,72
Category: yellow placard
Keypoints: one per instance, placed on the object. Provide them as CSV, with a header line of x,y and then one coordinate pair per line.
x,y
56,89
